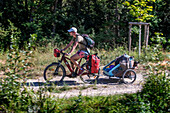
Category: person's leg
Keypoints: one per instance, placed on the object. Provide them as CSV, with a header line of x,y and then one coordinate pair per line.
x,y
74,58
72,65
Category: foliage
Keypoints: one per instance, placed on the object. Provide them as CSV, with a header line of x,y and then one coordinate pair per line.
x,y
18,62
140,9
159,39
3,38
156,90
161,17
156,47
50,19
10,35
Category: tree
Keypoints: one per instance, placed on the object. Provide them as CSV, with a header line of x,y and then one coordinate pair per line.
x,y
140,9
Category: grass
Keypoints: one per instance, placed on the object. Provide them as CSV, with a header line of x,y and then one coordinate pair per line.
x,y
56,89
65,87
90,104
43,56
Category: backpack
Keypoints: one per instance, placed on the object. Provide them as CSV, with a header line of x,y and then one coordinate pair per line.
x,y
89,42
93,63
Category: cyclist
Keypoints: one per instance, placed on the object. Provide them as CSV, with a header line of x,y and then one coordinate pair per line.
x,y
77,40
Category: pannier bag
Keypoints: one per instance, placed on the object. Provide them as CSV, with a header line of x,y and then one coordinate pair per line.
x,y
125,61
93,63
56,53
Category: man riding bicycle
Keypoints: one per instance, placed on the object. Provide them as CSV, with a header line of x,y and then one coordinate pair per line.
x,y
83,50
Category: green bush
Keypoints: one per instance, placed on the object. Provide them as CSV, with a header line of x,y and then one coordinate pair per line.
x,y
156,90
13,95
154,96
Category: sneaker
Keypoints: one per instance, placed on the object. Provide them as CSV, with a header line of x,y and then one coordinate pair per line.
x,y
74,75
81,71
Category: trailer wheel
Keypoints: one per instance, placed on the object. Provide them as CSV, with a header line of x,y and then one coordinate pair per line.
x,y
129,76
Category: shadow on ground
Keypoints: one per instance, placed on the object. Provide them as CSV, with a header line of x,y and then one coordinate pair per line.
x,y
69,83
109,81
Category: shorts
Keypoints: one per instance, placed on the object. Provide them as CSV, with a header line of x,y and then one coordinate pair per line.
x,y
82,53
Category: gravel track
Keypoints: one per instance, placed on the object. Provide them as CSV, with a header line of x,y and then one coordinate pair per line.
x,y
104,87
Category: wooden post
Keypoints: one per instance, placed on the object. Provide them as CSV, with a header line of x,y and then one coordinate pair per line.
x,y
147,35
139,39
130,26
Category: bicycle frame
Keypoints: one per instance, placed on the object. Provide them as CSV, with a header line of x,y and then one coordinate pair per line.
x,y
64,58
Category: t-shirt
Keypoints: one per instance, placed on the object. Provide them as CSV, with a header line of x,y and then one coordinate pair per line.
x,y
81,42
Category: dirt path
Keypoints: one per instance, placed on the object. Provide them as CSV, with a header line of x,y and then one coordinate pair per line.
x,y
105,86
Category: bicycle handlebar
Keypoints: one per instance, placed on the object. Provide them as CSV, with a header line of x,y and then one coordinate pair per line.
x,y
62,52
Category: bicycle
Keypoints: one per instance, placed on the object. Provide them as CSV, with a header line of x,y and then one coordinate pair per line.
x,y
56,72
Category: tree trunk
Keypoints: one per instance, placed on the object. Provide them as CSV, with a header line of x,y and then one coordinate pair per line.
x,y
54,11
31,11
26,7
59,4
116,21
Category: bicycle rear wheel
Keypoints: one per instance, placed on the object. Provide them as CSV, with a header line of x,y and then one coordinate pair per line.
x,y
54,72
89,78
129,76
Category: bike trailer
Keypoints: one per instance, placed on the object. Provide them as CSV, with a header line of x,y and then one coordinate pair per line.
x,y
117,67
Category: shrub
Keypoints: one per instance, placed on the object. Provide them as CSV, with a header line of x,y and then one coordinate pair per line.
x,y
156,90
154,96
12,97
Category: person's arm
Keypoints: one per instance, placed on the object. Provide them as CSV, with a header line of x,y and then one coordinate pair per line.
x,y
68,45
73,48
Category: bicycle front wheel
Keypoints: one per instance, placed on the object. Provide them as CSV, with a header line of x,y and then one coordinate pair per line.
x,y
89,78
54,72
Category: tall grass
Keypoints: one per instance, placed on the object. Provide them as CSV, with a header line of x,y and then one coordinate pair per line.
x,y
44,56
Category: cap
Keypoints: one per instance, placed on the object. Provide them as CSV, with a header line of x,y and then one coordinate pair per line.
x,y
73,29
